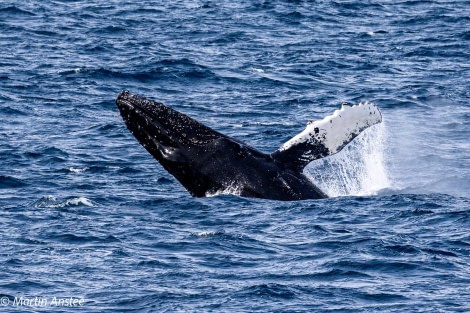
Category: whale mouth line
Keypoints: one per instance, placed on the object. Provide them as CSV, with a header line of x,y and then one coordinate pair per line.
x,y
125,102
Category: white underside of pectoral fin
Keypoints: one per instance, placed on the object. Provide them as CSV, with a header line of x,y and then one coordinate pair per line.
x,y
337,130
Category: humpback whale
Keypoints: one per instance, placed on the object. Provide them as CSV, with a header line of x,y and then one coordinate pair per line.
x,y
205,161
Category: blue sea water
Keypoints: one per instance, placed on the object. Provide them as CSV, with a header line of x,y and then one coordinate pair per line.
x,y
88,214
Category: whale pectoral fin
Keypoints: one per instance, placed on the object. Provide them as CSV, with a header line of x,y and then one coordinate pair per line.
x,y
328,136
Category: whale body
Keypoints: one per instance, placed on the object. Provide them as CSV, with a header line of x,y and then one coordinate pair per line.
x,y
206,162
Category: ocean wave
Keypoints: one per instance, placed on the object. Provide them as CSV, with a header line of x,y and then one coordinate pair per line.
x,y
156,71
13,112
15,11
58,154
11,182
110,29
74,238
270,291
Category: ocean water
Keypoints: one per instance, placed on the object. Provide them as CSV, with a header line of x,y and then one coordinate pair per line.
x,y
89,219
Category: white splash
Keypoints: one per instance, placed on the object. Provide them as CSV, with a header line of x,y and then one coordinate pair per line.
x,y
359,169
232,189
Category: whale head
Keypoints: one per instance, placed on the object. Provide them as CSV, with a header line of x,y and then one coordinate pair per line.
x,y
177,141
164,132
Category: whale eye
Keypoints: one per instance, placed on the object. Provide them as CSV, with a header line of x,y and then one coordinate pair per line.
x,y
309,122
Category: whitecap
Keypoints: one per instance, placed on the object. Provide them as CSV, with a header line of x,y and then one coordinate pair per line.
x,y
208,233
76,202
78,170
52,202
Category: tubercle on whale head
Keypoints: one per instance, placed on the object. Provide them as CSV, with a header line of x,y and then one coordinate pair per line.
x,y
154,123
122,97
151,108
145,119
